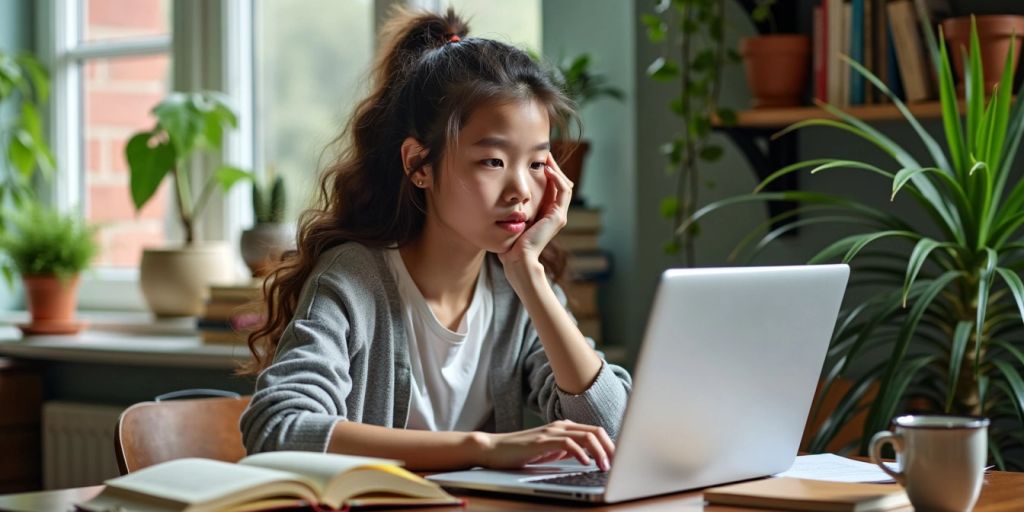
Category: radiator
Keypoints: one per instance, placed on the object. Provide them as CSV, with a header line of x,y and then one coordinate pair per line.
x,y
78,444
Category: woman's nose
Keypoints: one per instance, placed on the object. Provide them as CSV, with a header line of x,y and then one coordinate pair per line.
x,y
517,188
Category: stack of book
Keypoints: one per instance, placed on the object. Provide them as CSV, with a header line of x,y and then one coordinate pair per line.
x,y
231,312
885,36
587,267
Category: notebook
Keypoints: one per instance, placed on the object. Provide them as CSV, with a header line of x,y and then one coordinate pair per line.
x,y
816,495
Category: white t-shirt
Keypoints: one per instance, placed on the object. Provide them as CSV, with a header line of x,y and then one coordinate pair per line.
x,y
448,389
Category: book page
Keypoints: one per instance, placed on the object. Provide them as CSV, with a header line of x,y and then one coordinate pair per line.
x,y
384,485
202,481
319,468
833,468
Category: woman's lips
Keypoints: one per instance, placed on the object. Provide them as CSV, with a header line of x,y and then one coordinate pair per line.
x,y
515,227
514,223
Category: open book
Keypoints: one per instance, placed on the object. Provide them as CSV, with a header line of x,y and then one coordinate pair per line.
x,y
268,481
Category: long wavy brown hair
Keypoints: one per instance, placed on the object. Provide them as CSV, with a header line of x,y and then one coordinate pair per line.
x,y
427,79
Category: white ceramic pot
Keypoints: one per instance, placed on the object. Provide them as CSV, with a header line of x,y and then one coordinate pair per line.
x,y
263,245
176,281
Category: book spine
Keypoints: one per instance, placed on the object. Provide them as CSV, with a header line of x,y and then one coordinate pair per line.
x,y
856,51
820,52
833,44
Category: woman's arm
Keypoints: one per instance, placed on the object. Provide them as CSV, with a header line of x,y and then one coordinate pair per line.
x,y
574,363
425,450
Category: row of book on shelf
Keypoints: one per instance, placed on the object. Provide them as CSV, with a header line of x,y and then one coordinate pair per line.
x,y
232,311
886,37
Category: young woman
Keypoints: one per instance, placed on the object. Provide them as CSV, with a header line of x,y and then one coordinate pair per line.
x,y
418,317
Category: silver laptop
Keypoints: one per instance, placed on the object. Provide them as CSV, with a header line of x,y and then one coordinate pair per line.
x,y
722,388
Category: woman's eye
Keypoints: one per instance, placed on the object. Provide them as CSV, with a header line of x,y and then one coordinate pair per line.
x,y
492,162
537,166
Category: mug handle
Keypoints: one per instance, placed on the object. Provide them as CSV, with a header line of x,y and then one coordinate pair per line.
x,y
877,442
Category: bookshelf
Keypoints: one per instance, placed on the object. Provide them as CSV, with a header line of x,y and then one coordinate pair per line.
x,y
778,118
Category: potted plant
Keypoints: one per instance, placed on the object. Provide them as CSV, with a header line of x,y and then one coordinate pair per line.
x,y
175,279
49,250
263,244
942,333
776,64
583,86
996,32
691,35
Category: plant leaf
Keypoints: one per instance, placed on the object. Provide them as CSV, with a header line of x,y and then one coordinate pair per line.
x,y
956,358
148,165
227,176
984,284
1013,379
1016,286
951,110
922,249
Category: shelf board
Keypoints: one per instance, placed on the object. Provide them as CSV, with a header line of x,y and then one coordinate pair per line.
x,y
781,117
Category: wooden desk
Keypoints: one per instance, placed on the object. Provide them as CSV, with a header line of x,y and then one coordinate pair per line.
x,y
1002,492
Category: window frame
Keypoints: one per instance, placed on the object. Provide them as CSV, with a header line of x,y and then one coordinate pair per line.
x,y
206,39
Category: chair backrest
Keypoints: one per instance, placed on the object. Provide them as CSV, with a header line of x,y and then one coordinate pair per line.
x,y
152,432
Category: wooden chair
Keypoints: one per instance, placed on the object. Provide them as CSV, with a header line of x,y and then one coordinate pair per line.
x,y
152,432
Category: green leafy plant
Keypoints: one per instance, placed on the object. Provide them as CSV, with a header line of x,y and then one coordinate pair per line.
x,y
43,241
943,332
762,11
24,91
693,60
186,123
269,209
581,84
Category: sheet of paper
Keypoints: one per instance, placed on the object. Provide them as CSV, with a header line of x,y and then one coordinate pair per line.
x,y
831,467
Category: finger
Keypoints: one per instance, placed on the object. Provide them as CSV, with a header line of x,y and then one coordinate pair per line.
x,y
550,162
602,436
570,446
562,185
589,441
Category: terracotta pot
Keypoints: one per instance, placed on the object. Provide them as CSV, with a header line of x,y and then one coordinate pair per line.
x,y
994,33
263,244
777,67
176,281
51,301
571,163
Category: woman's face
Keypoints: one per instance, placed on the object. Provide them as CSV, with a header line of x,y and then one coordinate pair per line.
x,y
492,181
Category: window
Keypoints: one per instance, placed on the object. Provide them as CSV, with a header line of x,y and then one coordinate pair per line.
x,y
310,64
111,64
517,23
295,68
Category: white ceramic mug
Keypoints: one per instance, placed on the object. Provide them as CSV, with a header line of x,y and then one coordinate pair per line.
x,y
941,459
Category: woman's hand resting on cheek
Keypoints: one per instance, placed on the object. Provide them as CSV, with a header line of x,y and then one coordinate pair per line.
x,y
549,219
554,441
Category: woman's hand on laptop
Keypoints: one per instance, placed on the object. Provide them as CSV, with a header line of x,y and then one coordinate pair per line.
x,y
555,441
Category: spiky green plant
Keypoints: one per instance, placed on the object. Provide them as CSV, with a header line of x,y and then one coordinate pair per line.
x,y
269,209
943,334
43,241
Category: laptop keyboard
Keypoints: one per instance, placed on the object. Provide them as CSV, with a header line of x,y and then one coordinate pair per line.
x,y
588,479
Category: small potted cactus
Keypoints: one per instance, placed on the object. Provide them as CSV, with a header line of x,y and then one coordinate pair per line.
x,y
264,243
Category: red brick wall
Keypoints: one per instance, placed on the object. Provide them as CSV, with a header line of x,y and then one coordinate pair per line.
x,y
118,96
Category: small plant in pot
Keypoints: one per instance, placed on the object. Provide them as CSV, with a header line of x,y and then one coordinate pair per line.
x,y
49,250
264,243
175,280
583,86
776,64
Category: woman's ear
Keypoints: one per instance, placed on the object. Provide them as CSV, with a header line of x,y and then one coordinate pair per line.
x,y
413,155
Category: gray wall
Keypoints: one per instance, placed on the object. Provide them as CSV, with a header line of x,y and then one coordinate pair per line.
x,y
603,28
